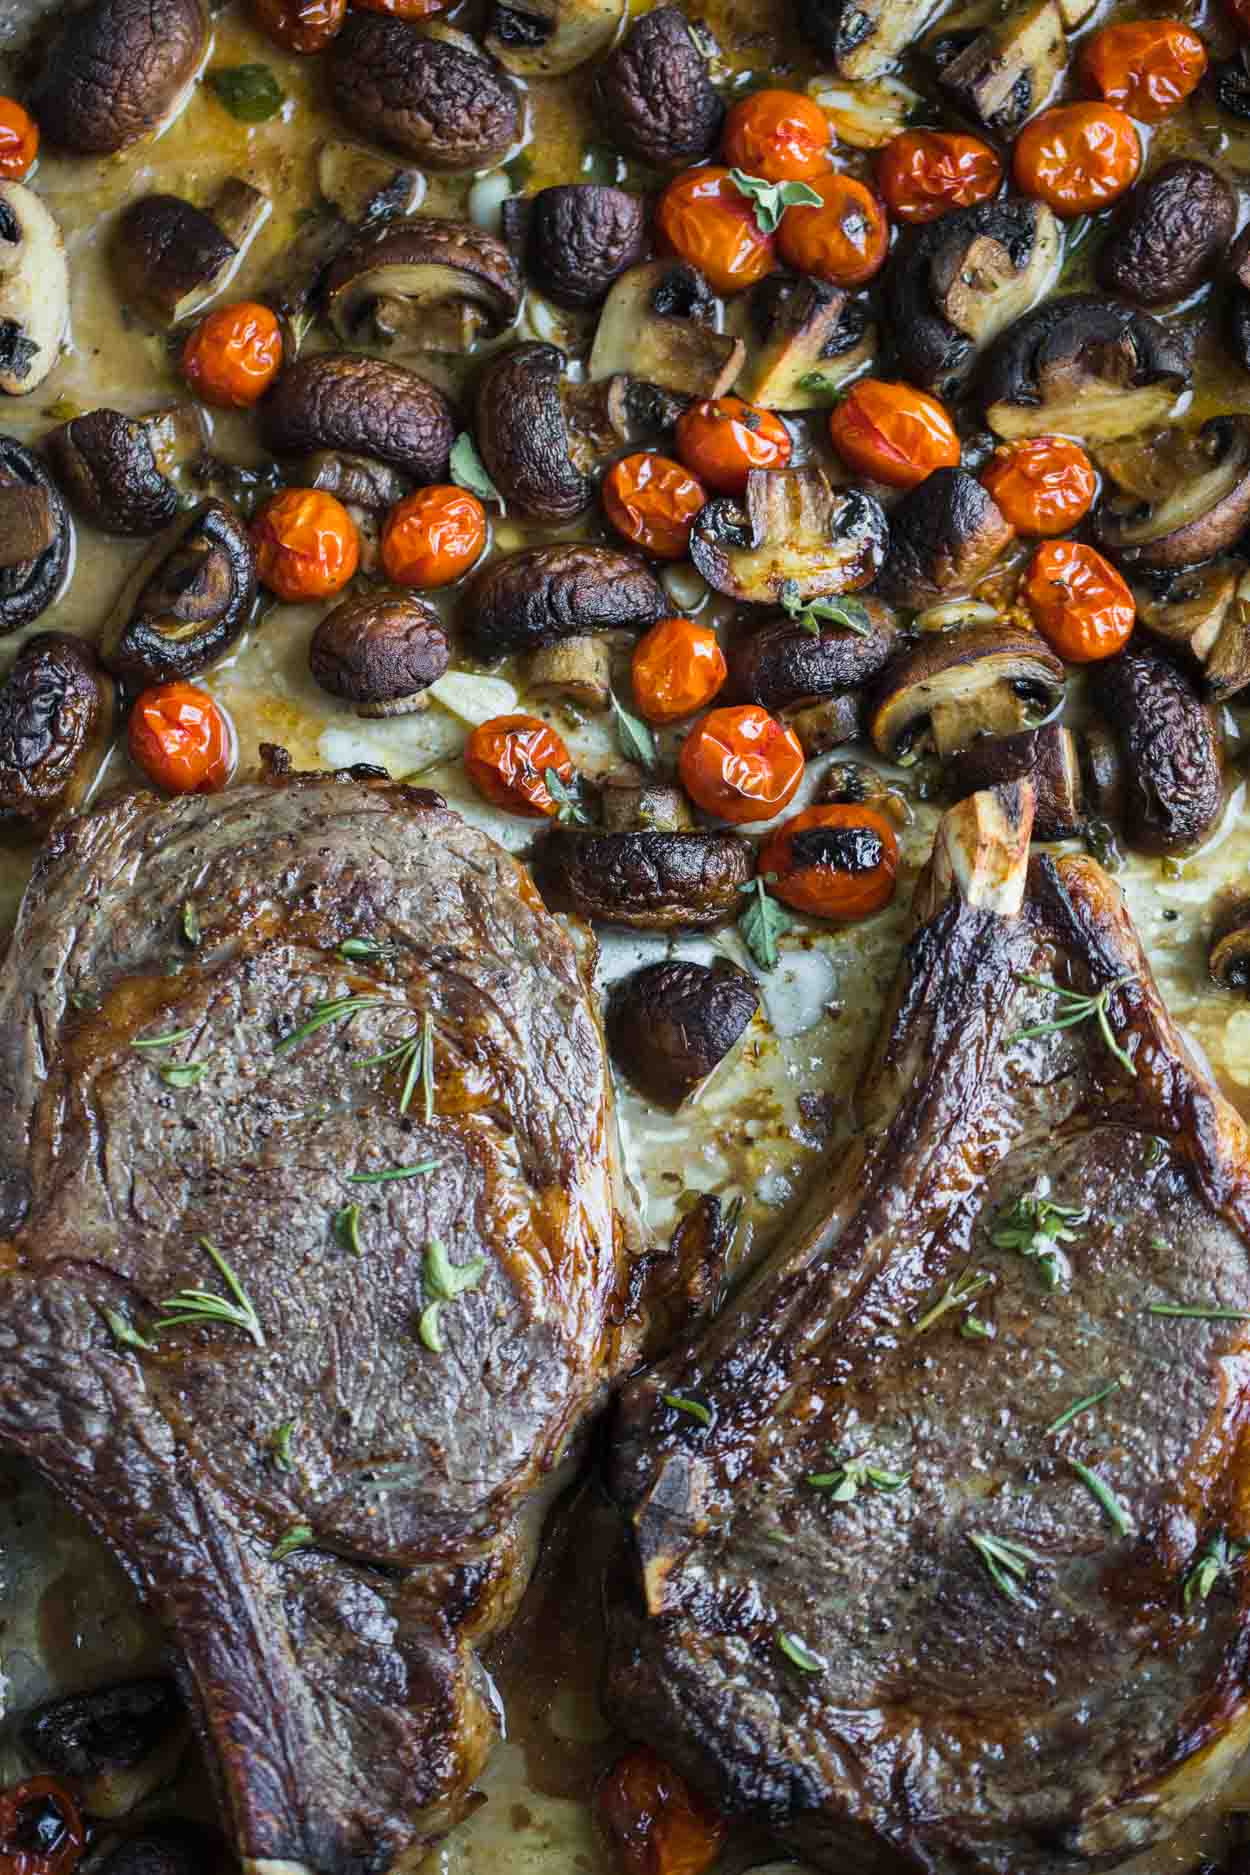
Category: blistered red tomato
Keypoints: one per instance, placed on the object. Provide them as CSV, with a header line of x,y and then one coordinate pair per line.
x,y
844,240
1042,484
653,501
926,173
678,667
402,9
721,440
1146,67
1081,606
306,544
837,862
1077,158
301,25
781,136
182,739
706,219
19,141
652,1820
893,433
433,536
41,1828
234,354
509,761
741,764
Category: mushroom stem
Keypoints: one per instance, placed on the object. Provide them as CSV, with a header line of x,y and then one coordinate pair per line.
x,y
577,668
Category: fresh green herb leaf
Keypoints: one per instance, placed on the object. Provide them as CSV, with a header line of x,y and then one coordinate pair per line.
x,y
820,381
250,93
353,948
280,1445
1008,1563
852,1475
1083,1405
1105,1496
761,922
415,1055
812,613
83,999
183,1073
800,1655
1220,1557
682,1403
569,809
336,1009
164,1041
299,1536
1078,1008
1036,1226
469,471
1198,1311
427,1072
637,743
444,1281
772,199
124,1335
347,1229
199,1305
190,922
398,1171
967,1284
972,1328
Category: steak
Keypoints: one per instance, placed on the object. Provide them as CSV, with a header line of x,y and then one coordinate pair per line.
x,y
875,1606
333,1502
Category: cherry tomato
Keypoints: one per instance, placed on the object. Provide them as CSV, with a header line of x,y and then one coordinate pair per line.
x,y
1077,157
893,433
402,9
721,439
925,173
653,501
306,544
1082,607
301,25
845,240
741,764
708,221
19,141
41,1829
654,1823
1042,484
508,758
779,135
678,668
182,739
1147,67
836,862
433,536
233,355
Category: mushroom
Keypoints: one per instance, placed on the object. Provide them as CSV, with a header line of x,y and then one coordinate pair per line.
x,y
546,38
186,602
580,238
1009,71
945,535
116,1744
1237,313
445,104
1228,957
114,468
427,285
828,724
542,594
34,290
1185,497
654,96
523,434
855,784
631,802
363,187
953,284
1205,612
172,257
1165,778
954,686
669,1024
380,652
56,724
365,407
1048,757
120,70
579,669
34,537
658,323
651,881
864,37
783,665
1168,234
355,480
1084,366
797,539
804,338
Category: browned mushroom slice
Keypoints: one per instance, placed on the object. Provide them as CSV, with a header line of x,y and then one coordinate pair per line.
x,y
523,434
856,784
56,723
186,602
669,1024
380,652
115,469
116,1744
658,324
442,102
1048,757
1009,71
119,71
632,802
797,538
1184,497
654,96
1083,366
945,535
1205,612
783,665
546,38
804,338
30,582
1169,789
428,285
542,594
579,669
172,257
34,290
651,881
1228,958
366,188
580,237
952,687
865,37
362,407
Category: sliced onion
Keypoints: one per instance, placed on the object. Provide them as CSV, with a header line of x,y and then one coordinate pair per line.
x,y
486,200
473,698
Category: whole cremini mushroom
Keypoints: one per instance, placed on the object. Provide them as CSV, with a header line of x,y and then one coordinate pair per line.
x,y
34,537
425,284
782,665
171,257
445,104
669,1024
580,237
114,468
523,434
542,594
945,534
1168,234
116,1743
187,601
380,652
654,97
1164,778
362,406
119,71
56,723
647,879
34,290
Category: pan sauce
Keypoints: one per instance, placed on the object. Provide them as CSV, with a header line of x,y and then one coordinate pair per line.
x,y
67,1616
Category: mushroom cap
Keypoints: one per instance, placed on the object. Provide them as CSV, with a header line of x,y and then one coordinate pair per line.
x,y
379,651
117,71
944,534
1205,507
106,465
796,533
1074,363
1171,757
1228,958
653,95
364,406
649,881
542,594
449,106
1168,234
424,262
170,254
782,665
1047,756
28,587
34,290
581,236
523,435
115,1742
669,1024
56,717
186,602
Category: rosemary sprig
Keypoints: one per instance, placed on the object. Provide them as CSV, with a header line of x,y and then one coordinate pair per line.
x,y
335,1009
299,1536
967,1284
124,1335
1077,1008
1109,1502
1008,1563
190,922
851,1475
800,1655
164,1041
444,1281
1083,1405
183,1073
280,1445
1219,1558
1198,1311
347,1229
415,1054
396,1171
1035,1226
682,1403
199,1305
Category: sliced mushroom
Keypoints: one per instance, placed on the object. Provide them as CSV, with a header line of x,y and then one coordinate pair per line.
x,y
804,338
1205,612
363,407
783,665
172,257
1228,958
952,687
579,669
56,723
1199,506
631,802
828,724
658,323
366,188
649,881
1048,757
669,1024
1084,366
953,284
114,468
428,285
380,652
581,237
546,38
445,104
523,434
865,37
1167,787
1168,234
120,71
1009,71
186,602
796,533
29,582
543,594
355,480
34,290
116,1744
855,784
654,95
945,535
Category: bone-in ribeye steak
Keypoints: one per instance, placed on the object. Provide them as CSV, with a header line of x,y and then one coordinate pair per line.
x,y
851,1671
336,1687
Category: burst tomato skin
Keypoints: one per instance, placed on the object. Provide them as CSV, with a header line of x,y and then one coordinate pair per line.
x,y
306,544
1043,485
300,25
233,355
741,764
782,136
677,669
837,862
401,9
19,141
182,739
41,1828
893,433
1077,158
926,173
433,536
507,760
1080,604
705,220
845,240
1145,67
652,1820
653,501
721,439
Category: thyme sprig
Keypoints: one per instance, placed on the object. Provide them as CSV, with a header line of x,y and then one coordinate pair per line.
x,y
1035,1225
444,1281
1220,1557
1078,1008
200,1305
967,1284
163,1041
850,1476
1008,1563
569,809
